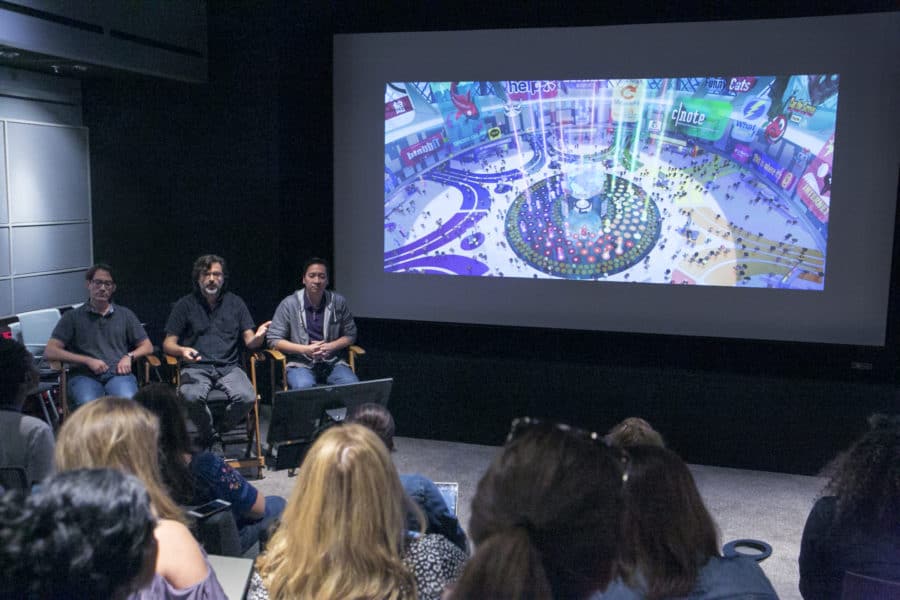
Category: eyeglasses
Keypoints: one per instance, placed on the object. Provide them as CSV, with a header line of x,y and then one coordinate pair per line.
x,y
522,424
102,283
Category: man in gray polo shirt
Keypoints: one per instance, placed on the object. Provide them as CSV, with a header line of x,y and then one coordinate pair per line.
x,y
101,339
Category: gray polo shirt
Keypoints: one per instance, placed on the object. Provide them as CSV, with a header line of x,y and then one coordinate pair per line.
x,y
108,337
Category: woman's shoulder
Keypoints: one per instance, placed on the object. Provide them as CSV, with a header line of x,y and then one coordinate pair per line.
x,y
719,579
733,577
180,561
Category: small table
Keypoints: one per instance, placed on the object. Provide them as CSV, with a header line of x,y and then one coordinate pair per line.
x,y
233,573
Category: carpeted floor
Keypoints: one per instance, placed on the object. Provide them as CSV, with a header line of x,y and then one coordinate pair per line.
x,y
745,504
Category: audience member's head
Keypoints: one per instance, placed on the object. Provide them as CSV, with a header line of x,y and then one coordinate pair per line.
x,y
117,433
174,442
545,516
342,532
667,533
377,418
866,478
18,375
85,534
634,431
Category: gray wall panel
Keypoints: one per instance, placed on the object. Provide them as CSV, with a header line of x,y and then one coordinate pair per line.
x,y
45,202
6,297
4,254
42,291
48,173
30,110
51,247
4,206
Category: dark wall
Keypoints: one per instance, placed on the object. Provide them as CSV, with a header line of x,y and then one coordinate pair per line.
x,y
243,166
179,170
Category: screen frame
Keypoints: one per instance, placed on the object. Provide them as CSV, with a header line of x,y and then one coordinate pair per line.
x,y
851,310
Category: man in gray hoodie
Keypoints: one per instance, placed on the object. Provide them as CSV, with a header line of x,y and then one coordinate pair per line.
x,y
313,327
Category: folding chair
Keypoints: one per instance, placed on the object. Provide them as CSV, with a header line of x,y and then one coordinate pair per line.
x,y
245,432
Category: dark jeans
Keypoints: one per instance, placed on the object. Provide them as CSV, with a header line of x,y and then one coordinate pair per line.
x,y
437,514
250,530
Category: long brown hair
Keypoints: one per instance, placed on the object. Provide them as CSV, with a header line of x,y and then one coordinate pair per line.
x,y
163,401
117,433
667,533
342,532
544,518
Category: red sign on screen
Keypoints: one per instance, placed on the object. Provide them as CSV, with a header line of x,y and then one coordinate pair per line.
x,y
413,154
397,107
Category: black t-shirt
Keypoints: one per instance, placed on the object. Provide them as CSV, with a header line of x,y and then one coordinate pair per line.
x,y
215,333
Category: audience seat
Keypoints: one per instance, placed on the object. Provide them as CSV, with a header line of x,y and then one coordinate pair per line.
x,y
863,587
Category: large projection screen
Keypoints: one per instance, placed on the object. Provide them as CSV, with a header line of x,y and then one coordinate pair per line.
x,y
514,180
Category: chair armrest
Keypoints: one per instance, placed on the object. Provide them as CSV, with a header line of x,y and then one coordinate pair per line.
x,y
275,354
153,360
354,351
171,361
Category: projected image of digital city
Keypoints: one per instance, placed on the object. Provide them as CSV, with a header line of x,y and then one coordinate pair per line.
x,y
719,181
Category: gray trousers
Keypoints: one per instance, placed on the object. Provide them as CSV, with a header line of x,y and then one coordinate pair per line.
x,y
196,384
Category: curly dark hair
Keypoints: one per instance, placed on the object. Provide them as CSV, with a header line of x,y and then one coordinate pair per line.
x,y
87,533
16,362
866,477
202,264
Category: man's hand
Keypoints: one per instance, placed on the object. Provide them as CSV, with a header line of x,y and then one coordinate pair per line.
x,y
124,366
321,350
189,354
314,350
97,366
324,351
262,329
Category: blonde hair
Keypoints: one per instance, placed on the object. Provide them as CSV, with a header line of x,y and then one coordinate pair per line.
x,y
117,433
342,533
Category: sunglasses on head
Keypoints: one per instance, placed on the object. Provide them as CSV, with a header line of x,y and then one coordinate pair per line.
x,y
520,425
